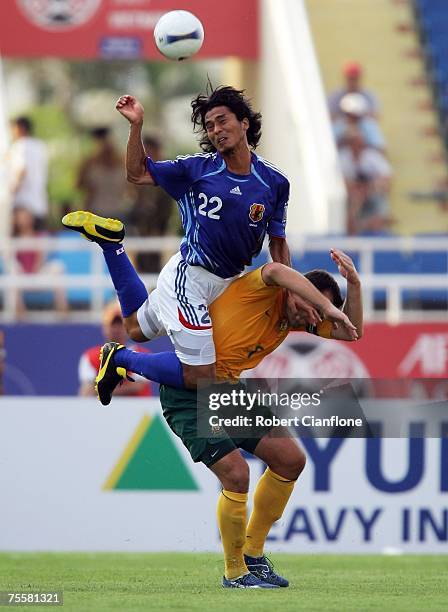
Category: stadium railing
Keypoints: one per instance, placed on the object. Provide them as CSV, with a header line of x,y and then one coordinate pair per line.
x,y
401,276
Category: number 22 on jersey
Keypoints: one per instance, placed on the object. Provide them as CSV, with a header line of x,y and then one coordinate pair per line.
x,y
211,212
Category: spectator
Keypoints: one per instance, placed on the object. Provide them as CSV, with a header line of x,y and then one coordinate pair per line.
x,y
102,178
29,261
28,171
89,363
367,175
354,114
352,74
151,212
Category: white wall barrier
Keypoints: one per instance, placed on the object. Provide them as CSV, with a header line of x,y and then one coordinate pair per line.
x,y
365,249
296,124
78,476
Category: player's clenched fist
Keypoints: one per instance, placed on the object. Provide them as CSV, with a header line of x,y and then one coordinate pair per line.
x,y
130,108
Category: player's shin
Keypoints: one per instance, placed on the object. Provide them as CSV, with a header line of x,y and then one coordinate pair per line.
x,y
270,498
232,519
131,292
162,368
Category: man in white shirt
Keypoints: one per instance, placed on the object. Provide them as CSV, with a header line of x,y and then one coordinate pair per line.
x,y
367,175
355,114
28,171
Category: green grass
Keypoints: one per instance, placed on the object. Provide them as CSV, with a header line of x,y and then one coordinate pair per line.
x,y
103,582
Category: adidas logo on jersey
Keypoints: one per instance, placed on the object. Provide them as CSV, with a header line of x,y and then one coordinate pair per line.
x,y
236,190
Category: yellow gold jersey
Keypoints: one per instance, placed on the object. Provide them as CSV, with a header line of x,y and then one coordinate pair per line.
x,y
249,323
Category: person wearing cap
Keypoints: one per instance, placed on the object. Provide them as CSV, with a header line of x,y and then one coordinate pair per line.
x,y
89,363
352,73
354,114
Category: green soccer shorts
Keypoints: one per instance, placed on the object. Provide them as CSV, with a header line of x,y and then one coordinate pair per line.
x,y
179,408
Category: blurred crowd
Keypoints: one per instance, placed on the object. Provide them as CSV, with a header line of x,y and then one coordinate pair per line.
x,y
149,212
101,180
355,116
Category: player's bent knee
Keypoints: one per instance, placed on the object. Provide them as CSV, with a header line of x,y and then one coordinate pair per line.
x,y
301,462
133,328
294,465
233,472
236,480
290,465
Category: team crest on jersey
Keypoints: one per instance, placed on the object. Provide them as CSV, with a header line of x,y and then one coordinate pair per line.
x,y
256,212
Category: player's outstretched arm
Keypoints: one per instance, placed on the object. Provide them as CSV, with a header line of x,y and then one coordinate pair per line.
x,y
136,169
353,303
282,276
295,305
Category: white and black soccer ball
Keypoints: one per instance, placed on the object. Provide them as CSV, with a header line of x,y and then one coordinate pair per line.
x,y
178,35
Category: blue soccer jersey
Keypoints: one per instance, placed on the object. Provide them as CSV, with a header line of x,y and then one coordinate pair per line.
x,y
225,216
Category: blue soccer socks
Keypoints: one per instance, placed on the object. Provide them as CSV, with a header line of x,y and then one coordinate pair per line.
x,y
109,234
162,368
130,290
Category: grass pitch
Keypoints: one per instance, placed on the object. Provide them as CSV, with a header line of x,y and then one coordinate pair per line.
x,y
127,582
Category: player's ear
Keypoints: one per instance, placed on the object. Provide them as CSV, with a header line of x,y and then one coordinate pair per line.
x,y
245,124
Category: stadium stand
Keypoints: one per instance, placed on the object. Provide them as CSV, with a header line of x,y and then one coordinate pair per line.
x,y
387,45
432,17
386,260
399,274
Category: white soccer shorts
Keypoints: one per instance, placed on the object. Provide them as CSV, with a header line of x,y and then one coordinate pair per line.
x,y
179,307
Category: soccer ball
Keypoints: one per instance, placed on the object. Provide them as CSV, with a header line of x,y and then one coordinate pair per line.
x,y
178,35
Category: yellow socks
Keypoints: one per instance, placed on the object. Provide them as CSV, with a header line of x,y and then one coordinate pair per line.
x,y
270,498
232,520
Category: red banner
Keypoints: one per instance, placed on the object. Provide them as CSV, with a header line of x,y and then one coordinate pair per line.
x,y
408,350
403,353
120,28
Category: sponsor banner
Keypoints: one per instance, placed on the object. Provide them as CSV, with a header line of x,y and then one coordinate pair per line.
x,y
120,28
408,350
53,370
405,351
316,408
75,475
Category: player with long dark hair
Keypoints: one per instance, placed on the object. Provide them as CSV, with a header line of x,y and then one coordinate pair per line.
x,y
229,198
239,105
